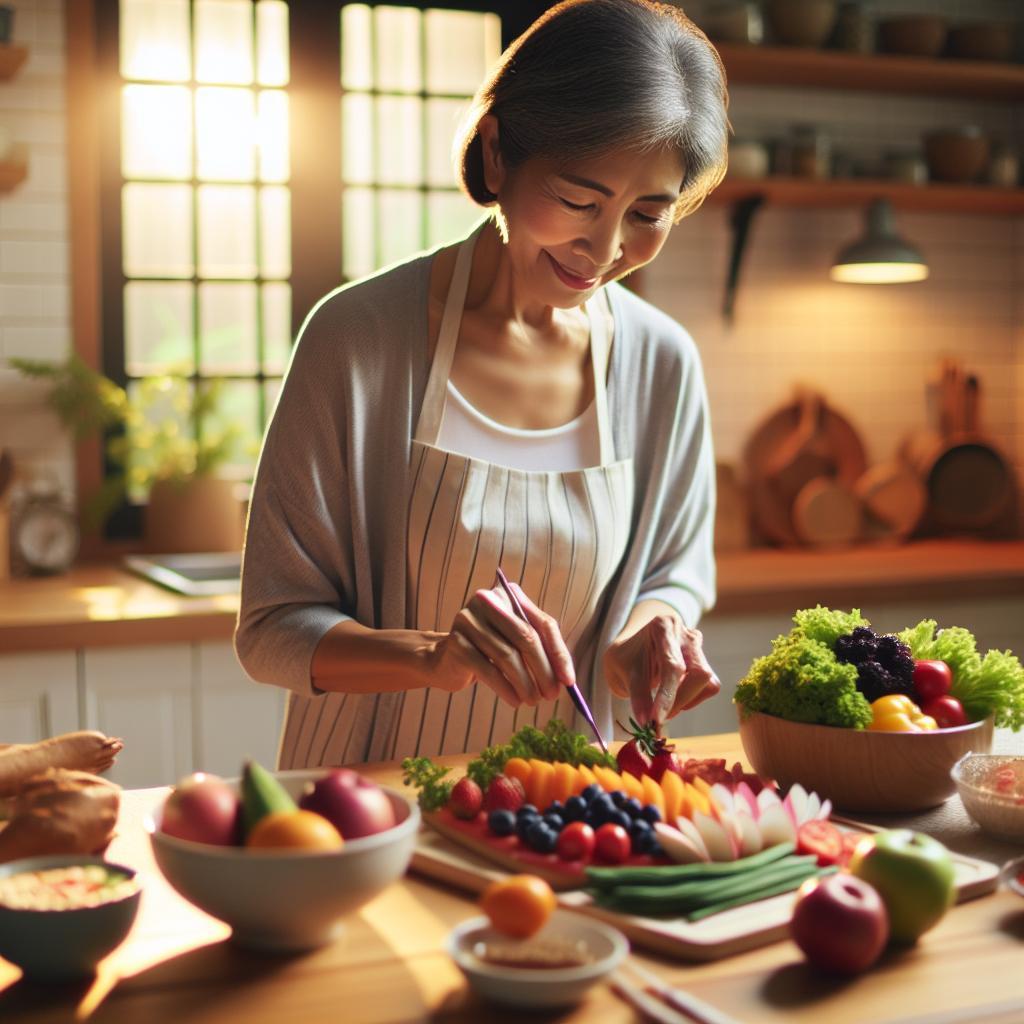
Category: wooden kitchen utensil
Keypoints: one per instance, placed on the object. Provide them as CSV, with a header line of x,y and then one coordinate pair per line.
x,y
826,513
894,500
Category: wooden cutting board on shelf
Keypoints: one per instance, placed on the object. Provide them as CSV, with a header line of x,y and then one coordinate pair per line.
x,y
444,858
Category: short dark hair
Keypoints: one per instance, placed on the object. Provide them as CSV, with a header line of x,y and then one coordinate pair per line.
x,y
591,76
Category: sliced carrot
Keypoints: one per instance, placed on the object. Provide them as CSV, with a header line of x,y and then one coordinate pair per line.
x,y
518,768
653,794
587,778
632,785
564,781
608,780
542,774
673,787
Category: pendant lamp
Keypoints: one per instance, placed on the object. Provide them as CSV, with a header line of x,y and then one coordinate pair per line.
x,y
880,256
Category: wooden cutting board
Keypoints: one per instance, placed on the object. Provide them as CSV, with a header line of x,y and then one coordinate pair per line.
x,y
444,858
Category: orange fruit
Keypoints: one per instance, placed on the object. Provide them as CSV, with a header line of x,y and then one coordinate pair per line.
x,y
518,905
297,830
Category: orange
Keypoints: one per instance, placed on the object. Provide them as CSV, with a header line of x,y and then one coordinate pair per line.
x,y
298,830
518,905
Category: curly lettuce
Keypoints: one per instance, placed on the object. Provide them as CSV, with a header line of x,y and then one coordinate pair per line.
x,y
802,681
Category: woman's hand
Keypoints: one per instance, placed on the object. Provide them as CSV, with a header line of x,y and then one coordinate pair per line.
x,y
660,667
522,662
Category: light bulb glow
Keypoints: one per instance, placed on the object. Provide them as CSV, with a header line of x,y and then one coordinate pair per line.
x,y
879,273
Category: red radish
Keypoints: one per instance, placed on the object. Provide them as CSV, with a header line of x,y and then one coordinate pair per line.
x,y
466,799
504,794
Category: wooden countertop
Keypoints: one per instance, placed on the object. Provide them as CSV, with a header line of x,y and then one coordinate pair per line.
x,y
103,606
389,966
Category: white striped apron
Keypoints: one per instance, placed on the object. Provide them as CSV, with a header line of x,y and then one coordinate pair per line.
x,y
559,534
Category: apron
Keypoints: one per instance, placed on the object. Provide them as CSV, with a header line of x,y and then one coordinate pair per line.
x,y
560,534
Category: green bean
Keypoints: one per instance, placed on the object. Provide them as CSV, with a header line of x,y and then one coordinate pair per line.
x,y
605,878
739,901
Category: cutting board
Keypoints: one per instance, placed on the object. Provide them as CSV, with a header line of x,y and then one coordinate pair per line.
x,y
444,858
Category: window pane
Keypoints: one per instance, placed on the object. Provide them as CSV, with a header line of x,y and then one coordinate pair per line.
x,y
227,231
157,230
397,49
156,131
223,35
227,328
275,232
357,138
358,233
442,120
162,436
401,220
399,140
273,135
154,36
450,215
461,46
225,134
277,327
237,412
356,65
272,42
158,327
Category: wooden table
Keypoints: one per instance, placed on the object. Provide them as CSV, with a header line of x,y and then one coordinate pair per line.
x,y
177,965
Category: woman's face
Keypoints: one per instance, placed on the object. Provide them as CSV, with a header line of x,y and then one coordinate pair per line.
x,y
573,227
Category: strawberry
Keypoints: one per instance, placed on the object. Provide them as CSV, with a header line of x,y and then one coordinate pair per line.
x,y
665,760
634,756
504,794
465,799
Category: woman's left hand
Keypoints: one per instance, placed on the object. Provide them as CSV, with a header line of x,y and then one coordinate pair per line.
x,y
661,668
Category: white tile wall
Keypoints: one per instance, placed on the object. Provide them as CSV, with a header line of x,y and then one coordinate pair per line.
x,y
35,318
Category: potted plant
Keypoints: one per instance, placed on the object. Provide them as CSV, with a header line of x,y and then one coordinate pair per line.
x,y
163,447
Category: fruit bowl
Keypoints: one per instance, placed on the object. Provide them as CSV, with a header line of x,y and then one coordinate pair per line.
x,y
287,899
999,814
861,770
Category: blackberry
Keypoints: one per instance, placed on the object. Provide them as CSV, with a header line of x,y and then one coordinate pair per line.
x,y
857,647
846,650
895,657
864,635
874,681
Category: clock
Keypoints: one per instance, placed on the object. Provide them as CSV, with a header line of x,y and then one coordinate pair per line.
x,y
44,535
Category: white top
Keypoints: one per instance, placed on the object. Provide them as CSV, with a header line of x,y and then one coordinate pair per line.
x,y
468,431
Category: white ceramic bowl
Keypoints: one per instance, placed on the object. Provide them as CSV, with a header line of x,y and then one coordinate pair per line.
x,y
560,986
56,944
1011,874
288,899
1000,816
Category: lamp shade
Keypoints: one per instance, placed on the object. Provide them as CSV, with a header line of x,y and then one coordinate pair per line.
x,y
880,256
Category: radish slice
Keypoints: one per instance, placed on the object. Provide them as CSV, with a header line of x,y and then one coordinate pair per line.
x,y
796,800
813,807
723,797
692,834
716,838
750,834
776,826
767,798
677,847
744,792
826,810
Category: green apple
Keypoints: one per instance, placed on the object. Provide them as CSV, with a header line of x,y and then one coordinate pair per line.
x,y
913,873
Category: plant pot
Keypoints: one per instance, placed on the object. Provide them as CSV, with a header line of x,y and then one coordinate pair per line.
x,y
201,514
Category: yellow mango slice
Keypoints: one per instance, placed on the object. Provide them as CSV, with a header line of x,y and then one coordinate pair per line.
x,y
586,778
702,786
698,801
563,782
608,780
653,794
674,790
518,768
632,785
542,774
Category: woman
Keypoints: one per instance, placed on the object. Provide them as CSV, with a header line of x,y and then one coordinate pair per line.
x,y
502,402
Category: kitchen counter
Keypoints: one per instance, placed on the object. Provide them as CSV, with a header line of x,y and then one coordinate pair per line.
x,y
104,606
389,966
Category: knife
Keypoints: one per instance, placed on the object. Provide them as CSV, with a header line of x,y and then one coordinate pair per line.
x,y
574,690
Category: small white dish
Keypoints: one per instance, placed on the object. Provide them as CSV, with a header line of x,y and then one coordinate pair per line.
x,y
518,986
1013,871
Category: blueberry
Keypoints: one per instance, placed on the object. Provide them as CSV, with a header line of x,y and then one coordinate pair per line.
x,y
619,798
639,827
633,807
651,813
591,791
554,821
575,808
620,818
603,800
527,810
555,807
656,850
598,814
523,826
541,838
501,823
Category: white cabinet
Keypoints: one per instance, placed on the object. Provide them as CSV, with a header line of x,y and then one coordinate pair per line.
x,y
235,718
144,696
38,695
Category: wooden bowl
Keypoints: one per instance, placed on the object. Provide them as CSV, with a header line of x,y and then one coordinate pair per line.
x,y
982,40
958,155
915,35
859,770
801,22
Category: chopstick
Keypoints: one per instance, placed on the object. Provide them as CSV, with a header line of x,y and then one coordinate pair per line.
x,y
574,691
681,1008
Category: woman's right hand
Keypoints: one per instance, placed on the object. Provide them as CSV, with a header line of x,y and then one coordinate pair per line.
x,y
522,662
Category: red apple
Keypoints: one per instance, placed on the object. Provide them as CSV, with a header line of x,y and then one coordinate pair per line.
x,y
204,809
353,805
840,923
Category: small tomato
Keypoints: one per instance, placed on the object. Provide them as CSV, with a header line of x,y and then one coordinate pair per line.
x,y
611,843
947,711
931,679
576,841
518,905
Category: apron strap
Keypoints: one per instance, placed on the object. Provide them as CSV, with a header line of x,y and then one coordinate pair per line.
x,y
599,311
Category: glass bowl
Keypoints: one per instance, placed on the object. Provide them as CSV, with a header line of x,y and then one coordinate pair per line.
x,y
1001,815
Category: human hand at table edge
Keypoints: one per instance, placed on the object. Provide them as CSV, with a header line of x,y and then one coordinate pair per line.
x,y
658,663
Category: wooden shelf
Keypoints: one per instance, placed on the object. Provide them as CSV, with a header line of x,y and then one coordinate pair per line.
x,y
11,59
806,192
12,173
830,69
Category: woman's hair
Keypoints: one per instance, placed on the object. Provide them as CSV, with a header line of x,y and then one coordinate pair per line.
x,y
591,76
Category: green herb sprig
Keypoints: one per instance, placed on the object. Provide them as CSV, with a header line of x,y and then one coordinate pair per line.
x,y
429,779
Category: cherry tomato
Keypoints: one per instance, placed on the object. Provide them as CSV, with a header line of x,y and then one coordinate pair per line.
x,y
822,839
519,905
931,679
576,841
611,843
850,843
947,711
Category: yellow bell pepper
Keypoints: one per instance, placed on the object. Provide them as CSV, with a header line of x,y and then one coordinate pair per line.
x,y
896,712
